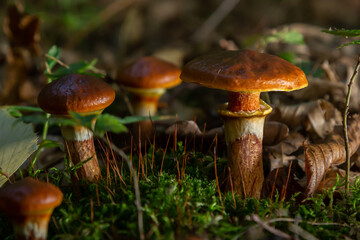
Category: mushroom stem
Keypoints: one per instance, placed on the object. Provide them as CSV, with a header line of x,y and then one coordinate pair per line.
x,y
244,135
243,101
145,105
80,143
33,226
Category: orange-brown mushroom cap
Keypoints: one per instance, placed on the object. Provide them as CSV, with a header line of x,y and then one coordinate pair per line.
x,y
244,70
149,72
77,93
29,195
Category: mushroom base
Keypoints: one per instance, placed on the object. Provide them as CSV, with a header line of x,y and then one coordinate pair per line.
x,y
80,146
33,227
243,135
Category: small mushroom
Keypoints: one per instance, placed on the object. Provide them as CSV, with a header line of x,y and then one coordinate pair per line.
x,y
244,74
83,94
29,204
147,80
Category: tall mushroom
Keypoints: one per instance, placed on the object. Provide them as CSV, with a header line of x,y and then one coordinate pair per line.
x,y
29,203
84,94
244,74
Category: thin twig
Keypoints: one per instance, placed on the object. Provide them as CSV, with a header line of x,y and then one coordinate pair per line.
x,y
57,61
346,112
306,222
136,186
214,20
269,228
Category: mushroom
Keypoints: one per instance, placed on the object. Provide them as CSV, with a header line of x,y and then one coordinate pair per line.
x,y
147,80
244,74
29,204
83,94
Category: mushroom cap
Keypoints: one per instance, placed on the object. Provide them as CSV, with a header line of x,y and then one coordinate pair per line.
x,y
244,70
77,93
149,72
29,195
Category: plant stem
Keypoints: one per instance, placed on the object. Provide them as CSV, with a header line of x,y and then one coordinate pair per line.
x,y
346,112
136,186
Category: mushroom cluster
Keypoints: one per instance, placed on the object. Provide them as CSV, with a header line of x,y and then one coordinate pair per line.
x,y
244,74
29,204
83,94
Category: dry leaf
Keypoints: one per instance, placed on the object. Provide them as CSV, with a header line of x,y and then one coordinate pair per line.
x,y
279,154
274,132
320,157
317,117
331,177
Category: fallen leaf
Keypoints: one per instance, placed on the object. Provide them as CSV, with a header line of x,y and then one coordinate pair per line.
x,y
320,157
317,117
331,178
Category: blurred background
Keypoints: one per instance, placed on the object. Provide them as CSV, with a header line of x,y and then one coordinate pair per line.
x,y
116,31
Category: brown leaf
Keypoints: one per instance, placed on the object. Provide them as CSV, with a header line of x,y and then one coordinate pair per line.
x,y
320,157
331,177
317,117
274,132
279,154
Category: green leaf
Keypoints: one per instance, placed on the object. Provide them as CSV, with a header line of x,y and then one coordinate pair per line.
x,y
107,122
49,144
291,37
356,42
54,52
41,119
15,111
17,143
84,120
344,32
82,67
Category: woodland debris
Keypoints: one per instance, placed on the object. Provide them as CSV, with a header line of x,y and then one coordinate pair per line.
x,y
332,177
316,117
22,33
320,157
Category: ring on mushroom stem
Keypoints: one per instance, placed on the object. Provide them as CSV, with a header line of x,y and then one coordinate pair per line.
x,y
29,204
147,80
83,94
244,74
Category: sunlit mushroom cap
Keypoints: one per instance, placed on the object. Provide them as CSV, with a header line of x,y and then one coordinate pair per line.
x,y
244,70
29,195
77,93
149,72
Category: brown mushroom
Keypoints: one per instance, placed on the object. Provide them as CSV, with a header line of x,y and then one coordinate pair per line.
x,y
147,80
84,94
29,204
244,74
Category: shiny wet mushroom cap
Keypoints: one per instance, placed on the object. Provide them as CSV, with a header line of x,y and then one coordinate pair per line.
x,y
244,70
76,92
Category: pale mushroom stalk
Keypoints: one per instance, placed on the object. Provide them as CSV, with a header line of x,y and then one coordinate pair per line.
x,y
29,204
244,74
243,127
80,144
